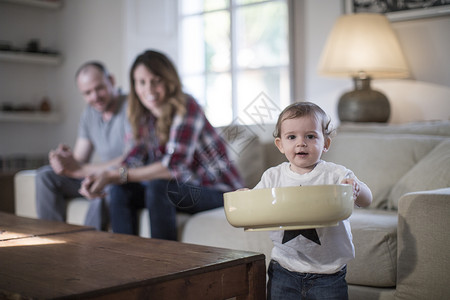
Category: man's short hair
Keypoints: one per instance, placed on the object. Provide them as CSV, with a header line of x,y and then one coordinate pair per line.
x,y
96,64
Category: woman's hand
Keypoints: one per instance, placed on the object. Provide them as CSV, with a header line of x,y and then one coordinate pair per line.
x,y
93,185
355,186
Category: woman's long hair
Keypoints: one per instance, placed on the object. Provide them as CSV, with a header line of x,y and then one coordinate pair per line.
x,y
174,103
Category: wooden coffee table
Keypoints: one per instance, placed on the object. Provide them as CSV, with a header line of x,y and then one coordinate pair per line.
x,y
48,260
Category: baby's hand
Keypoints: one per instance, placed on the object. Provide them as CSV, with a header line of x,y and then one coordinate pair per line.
x,y
355,186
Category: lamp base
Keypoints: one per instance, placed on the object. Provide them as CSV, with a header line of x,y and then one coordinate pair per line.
x,y
363,104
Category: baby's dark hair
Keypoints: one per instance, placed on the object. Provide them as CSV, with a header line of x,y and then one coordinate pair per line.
x,y
301,109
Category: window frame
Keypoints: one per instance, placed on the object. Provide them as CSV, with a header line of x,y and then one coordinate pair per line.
x,y
234,70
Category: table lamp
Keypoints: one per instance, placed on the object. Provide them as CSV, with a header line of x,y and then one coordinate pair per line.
x,y
363,46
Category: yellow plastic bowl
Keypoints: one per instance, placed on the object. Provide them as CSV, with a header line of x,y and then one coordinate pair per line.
x,y
287,208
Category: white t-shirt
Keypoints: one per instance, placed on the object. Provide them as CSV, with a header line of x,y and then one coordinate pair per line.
x,y
302,254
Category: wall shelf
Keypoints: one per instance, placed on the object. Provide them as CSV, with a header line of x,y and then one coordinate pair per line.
x,y
36,3
34,58
34,117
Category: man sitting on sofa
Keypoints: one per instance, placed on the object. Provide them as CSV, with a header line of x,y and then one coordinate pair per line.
x,y
102,129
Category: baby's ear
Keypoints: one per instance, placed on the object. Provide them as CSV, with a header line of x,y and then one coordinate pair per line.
x,y
279,144
327,144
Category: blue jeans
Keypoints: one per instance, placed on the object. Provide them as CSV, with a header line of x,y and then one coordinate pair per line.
x,y
286,285
52,192
162,198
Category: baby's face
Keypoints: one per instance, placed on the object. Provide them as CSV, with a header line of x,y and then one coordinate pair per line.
x,y
303,142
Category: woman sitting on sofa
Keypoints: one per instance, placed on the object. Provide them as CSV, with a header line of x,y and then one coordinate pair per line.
x,y
177,160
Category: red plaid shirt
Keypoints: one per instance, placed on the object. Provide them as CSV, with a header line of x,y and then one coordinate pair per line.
x,y
194,153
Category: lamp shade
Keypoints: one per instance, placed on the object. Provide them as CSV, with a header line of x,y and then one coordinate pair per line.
x,y
363,43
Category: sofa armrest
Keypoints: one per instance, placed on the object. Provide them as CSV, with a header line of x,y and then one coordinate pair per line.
x,y
25,193
423,243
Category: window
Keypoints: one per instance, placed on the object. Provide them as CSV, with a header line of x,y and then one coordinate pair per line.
x,y
232,52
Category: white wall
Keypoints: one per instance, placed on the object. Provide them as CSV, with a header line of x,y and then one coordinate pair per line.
x,y
81,30
426,43
150,24
90,30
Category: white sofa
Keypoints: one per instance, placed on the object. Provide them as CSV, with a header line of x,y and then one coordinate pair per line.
x,y
401,241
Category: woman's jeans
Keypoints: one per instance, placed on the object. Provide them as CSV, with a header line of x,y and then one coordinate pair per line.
x,y
286,285
162,198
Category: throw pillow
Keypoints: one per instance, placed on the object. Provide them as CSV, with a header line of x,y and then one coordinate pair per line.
x,y
379,160
431,172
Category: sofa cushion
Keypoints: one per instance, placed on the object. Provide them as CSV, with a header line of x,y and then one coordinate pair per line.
x,y
211,228
375,239
245,151
76,210
379,160
431,172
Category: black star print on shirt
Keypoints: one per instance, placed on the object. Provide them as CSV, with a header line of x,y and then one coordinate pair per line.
x,y
310,234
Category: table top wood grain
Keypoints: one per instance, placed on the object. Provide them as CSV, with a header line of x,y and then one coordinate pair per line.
x,y
13,227
49,261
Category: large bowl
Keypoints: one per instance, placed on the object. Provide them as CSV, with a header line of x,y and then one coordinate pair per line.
x,y
287,208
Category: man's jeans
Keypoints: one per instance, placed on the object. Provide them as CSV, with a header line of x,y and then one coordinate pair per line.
x,y
52,192
162,198
287,285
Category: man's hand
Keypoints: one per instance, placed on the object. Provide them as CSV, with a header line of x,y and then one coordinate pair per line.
x,y
62,160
